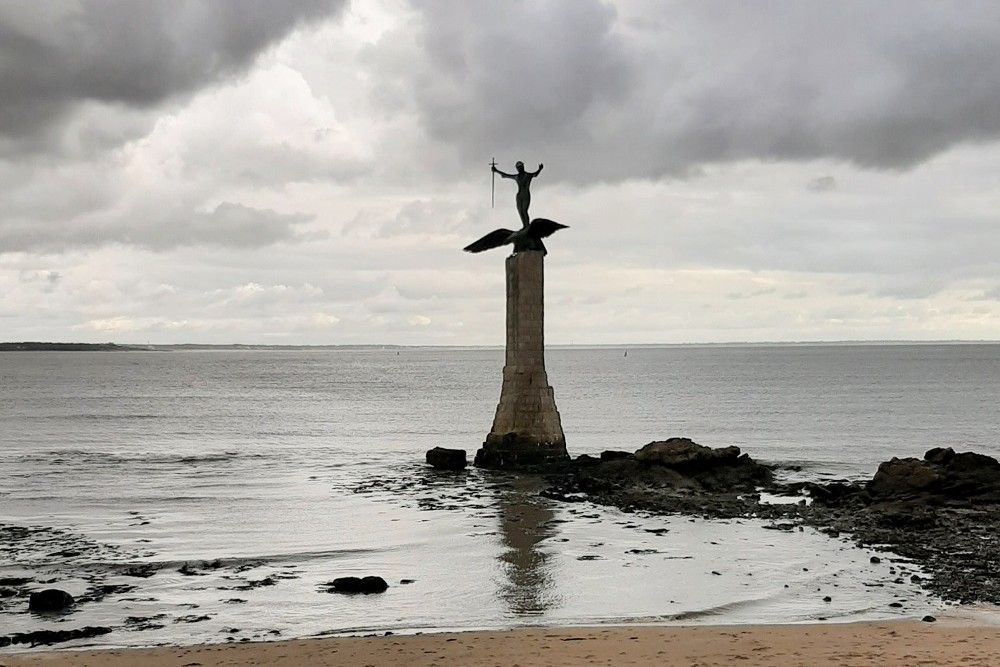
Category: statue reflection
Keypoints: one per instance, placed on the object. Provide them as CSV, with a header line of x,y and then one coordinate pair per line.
x,y
527,588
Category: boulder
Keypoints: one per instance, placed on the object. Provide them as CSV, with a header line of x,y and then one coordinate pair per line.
x,y
447,459
684,455
971,462
901,477
939,455
968,475
50,599
357,585
586,460
614,455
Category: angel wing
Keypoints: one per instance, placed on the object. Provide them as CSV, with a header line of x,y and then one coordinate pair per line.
x,y
542,227
494,239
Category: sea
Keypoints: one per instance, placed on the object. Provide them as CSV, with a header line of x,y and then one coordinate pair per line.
x,y
201,496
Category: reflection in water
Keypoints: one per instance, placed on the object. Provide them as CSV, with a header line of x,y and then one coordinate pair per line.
x,y
525,521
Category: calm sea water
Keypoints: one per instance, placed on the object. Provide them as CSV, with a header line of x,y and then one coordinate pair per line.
x,y
295,467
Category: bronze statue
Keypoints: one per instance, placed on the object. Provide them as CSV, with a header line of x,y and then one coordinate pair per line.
x,y
526,238
530,236
523,178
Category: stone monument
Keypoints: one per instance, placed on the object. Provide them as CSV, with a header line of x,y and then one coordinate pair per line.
x,y
527,430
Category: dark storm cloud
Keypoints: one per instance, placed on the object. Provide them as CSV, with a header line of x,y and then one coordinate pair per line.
x,y
645,89
56,55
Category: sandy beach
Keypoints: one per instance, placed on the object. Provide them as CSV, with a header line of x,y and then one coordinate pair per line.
x,y
902,643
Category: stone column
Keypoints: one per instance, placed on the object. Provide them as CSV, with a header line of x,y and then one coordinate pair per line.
x,y
527,430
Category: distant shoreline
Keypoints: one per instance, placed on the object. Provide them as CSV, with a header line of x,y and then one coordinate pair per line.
x,y
34,346
63,347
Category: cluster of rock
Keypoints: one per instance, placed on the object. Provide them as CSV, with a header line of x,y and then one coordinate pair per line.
x,y
674,469
942,510
941,477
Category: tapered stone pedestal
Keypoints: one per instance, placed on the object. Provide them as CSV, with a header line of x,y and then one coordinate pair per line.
x,y
527,430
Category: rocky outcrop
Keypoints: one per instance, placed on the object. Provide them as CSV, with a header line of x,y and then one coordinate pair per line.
x,y
672,475
900,477
685,455
447,459
941,477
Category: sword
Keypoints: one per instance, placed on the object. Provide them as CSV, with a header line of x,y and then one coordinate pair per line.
x,y
493,185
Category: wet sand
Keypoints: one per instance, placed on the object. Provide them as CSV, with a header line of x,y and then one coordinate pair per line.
x,y
890,644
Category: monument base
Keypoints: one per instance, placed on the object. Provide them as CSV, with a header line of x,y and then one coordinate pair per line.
x,y
527,430
513,452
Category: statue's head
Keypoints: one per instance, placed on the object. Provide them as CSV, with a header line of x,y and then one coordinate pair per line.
x,y
519,165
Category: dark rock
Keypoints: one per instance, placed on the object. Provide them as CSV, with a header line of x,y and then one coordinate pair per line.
x,y
14,581
971,462
7,592
194,618
556,494
44,637
587,460
357,585
50,599
874,559
145,622
902,477
779,526
685,455
98,593
614,454
447,459
896,605
189,570
928,619
828,599
939,455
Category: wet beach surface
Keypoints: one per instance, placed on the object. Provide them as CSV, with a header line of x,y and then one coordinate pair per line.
x,y
479,549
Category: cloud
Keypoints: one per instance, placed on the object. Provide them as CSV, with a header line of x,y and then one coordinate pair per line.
x,y
56,56
822,184
609,92
229,225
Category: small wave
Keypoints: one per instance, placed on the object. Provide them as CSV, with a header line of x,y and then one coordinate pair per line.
x,y
147,567
91,457
718,610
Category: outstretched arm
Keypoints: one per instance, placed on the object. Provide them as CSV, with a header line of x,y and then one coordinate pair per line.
x,y
502,173
538,171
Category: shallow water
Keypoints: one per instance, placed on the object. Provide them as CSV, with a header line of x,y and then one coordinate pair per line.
x,y
293,468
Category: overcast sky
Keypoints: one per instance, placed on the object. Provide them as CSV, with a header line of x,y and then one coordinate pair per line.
x,y
307,171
